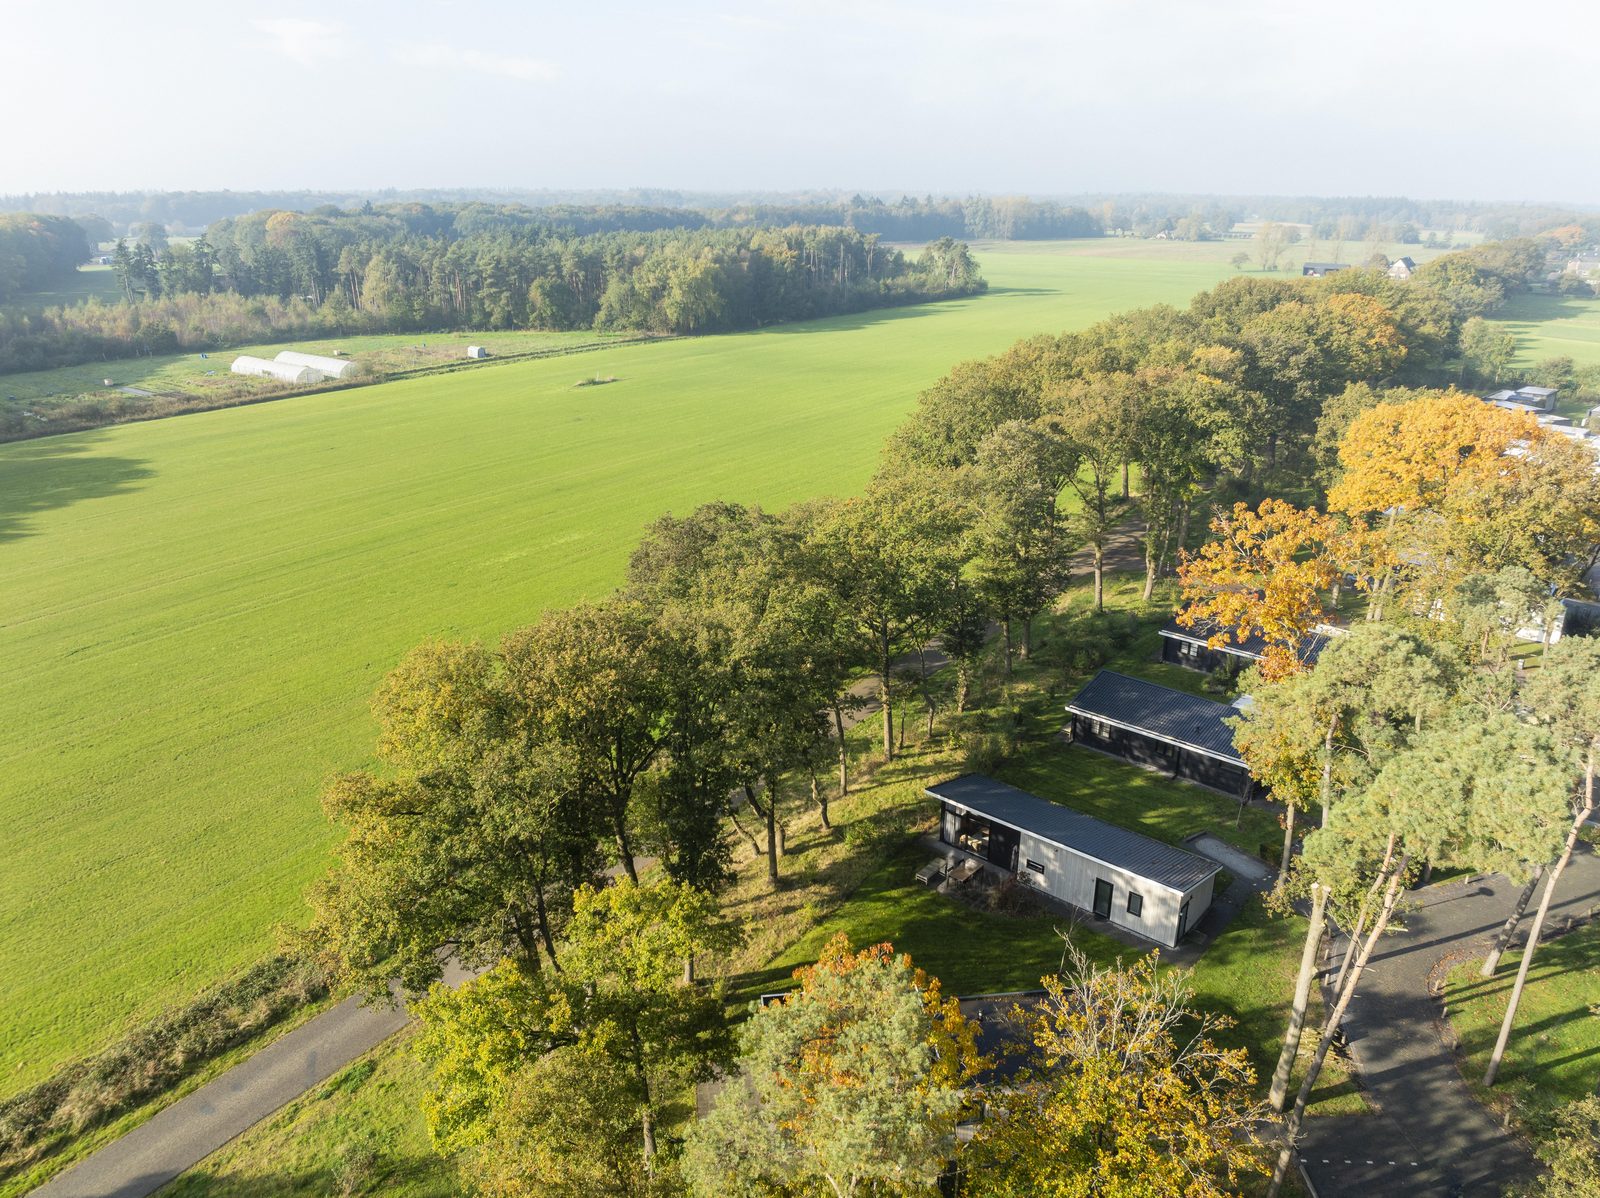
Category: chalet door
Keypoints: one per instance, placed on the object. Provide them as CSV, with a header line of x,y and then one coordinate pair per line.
x,y
1102,899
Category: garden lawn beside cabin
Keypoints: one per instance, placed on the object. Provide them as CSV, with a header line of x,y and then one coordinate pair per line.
x,y
1554,1054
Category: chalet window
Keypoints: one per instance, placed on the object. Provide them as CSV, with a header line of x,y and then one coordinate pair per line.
x,y
1035,866
1135,904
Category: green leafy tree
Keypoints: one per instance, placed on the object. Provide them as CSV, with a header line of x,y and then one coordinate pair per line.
x,y
1093,417
891,557
595,680
619,1005
1564,696
472,836
850,1083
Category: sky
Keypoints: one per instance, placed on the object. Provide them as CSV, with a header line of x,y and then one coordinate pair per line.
x,y
1462,99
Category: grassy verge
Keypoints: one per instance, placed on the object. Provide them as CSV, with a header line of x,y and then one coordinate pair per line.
x,y
1554,1054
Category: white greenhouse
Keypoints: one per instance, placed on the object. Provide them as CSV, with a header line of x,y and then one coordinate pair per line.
x,y
334,368
477,351
283,372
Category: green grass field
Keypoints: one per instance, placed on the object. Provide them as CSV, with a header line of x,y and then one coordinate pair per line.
x,y
196,610
1551,326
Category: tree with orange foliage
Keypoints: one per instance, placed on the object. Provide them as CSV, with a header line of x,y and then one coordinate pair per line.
x,y
1263,575
850,1084
1465,487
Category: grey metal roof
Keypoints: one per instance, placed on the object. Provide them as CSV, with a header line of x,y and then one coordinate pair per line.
x,y
1159,711
1161,863
1253,647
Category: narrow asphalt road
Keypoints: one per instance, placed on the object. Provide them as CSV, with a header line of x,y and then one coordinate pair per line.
x,y
195,1126
1429,1137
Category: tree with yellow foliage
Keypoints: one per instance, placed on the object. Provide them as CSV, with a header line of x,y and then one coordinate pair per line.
x,y
1126,1094
1263,575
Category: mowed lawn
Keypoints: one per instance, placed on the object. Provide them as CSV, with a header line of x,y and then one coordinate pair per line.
x,y
195,610
1553,326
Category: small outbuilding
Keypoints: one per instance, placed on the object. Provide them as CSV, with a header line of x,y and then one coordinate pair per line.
x,y
1317,270
1152,889
1189,648
477,351
333,368
1182,734
283,372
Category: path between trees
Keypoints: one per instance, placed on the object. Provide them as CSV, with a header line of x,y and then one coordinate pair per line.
x,y
1429,1137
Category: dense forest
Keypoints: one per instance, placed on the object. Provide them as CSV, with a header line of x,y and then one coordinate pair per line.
x,y
413,268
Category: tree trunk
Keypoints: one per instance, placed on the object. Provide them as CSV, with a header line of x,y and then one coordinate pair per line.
x,y
1330,1028
886,697
1099,578
770,816
1027,637
1538,919
1288,841
625,849
1151,568
963,685
1302,997
1125,491
1509,928
688,969
1005,628
820,798
1327,766
544,928
838,726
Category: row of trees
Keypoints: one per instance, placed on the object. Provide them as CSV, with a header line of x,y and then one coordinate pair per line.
x,y
294,279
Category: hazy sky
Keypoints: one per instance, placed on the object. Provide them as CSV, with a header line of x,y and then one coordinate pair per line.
x,y
1438,98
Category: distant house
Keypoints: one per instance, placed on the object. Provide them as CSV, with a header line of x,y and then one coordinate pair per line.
x,y
283,372
1402,268
333,368
1187,647
1180,733
1152,889
1316,270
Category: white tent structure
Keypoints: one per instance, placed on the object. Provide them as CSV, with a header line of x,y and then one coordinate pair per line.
x,y
477,351
283,372
333,368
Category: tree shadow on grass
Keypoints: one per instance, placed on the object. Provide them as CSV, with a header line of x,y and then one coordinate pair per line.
x,y
377,1173
57,472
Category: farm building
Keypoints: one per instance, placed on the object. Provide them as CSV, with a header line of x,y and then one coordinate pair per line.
x,y
1179,733
1402,268
1317,270
477,351
283,372
1149,888
1187,647
333,368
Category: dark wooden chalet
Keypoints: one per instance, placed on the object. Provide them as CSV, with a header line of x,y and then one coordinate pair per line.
x,y
1153,725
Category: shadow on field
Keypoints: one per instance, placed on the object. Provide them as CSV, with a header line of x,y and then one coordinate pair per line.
x,y
356,1169
37,476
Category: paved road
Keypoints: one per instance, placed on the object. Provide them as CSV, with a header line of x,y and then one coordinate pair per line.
x,y
1430,1138
198,1124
